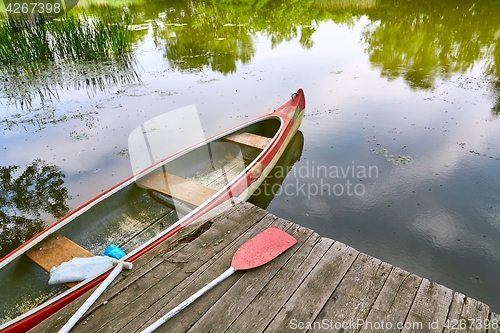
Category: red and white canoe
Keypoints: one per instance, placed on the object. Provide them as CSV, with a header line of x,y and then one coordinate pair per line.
x,y
143,211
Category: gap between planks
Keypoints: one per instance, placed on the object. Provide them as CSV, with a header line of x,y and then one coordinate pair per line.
x,y
318,279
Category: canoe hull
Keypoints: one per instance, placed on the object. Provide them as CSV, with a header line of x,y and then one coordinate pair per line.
x,y
289,117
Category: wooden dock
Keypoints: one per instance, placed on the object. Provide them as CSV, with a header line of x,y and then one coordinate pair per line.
x,y
318,285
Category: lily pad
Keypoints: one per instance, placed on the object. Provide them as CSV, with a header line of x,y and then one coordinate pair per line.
x,y
395,159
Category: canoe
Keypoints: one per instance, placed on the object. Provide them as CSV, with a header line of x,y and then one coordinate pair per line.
x,y
144,210
272,186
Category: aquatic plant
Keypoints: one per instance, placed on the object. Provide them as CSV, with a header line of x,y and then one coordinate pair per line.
x,y
28,46
38,56
395,159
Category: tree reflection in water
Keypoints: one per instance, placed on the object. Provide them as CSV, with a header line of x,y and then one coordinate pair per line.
x,y
24,197
422,41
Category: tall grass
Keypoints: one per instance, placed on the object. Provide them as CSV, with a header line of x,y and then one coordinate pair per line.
x,y
28,46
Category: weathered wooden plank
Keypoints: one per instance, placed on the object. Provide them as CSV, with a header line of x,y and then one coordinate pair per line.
x,y
250,287
431,305
249,140
466,314
177,187
54,250
493,323
355,295
314,290
474,316
148,264
241,293
317,282
225,171
158,290
125,290
453,314
206,273
393,303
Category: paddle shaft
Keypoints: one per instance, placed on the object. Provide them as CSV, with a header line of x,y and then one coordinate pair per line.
x,y
255,252
188,301
88,303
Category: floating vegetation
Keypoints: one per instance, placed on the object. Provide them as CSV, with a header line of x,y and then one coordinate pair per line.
x,y
481,154
123,152
78,136
40,118
201,81
395,159
165,93
90,75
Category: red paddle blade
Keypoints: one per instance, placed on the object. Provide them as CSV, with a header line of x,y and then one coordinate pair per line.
x,y
262,248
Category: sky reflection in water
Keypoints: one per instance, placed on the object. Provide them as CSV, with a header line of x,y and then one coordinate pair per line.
x,y
379,81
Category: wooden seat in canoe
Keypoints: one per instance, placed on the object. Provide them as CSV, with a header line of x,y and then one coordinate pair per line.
x,y
54,250
176,187
249,140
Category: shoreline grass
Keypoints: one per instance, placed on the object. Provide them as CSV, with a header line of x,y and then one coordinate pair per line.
x,y
28,46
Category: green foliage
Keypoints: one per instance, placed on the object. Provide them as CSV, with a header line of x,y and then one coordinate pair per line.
x,y
38,189
424,40
345,4
419,40
37,57
219,34
495,88
29,46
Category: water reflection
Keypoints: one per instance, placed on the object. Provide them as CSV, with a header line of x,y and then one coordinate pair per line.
x,y
39,118
416,43
194,35
39,58
271,186
345,4
422,41
495,88
91,76
419,41
24,197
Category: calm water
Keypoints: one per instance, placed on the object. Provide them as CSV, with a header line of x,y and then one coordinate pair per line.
x,y
401,138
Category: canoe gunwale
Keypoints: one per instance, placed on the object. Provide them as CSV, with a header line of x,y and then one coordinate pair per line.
x,y
282,137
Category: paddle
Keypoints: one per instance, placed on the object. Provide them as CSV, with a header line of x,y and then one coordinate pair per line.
x,y
88,303
255,252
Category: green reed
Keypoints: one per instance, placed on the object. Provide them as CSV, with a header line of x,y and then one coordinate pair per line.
x,y
27,46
